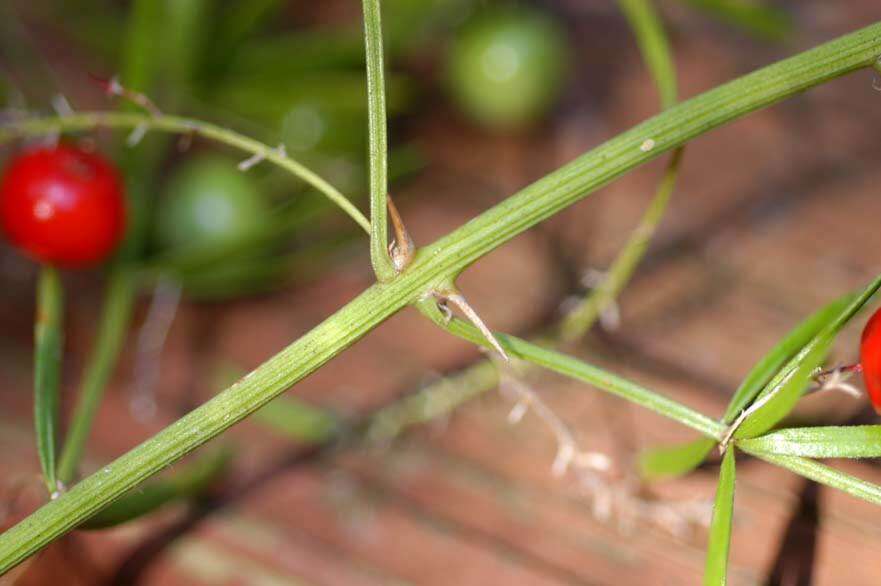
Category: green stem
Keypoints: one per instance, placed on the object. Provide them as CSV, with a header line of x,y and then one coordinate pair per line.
x,y
187,483
655,49
668,130
376,122
653,45
48,338
576,369
112,328
434,266
179,125
203,423
578,321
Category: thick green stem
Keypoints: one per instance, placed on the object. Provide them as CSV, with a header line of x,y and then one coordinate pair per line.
x,y
376,122
169,445
112,328
433,267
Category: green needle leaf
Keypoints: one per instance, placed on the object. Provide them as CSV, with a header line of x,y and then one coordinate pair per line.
x,y
675,460
185,484
720,528
765,369
47,371
856,441
783,392
826,475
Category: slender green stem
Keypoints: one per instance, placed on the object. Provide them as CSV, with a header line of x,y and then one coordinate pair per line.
x,y
112,328
652,40
653,45
376,122
576,369
431,402
578,321
48,340
435,266
179,125
759,18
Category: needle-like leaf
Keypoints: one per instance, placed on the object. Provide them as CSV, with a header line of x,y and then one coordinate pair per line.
x,y
720,528
783,392
47,371
674,460
855,441
679,459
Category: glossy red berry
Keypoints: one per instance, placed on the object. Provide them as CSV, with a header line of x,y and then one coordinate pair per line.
x,y
870,359
62,206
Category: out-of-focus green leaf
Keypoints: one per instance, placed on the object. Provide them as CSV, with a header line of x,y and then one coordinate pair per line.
x,y
294,54
100,32
183,41
785,389
297,420
239,20
411,24
319,112
140,62
756,18
720,529
765,369
182,485
856,441
337,91
47,371
674,460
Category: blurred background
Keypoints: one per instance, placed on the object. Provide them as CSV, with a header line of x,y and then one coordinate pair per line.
x,y
773,216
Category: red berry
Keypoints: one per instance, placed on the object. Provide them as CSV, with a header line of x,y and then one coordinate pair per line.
x,y
62,206
870,359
